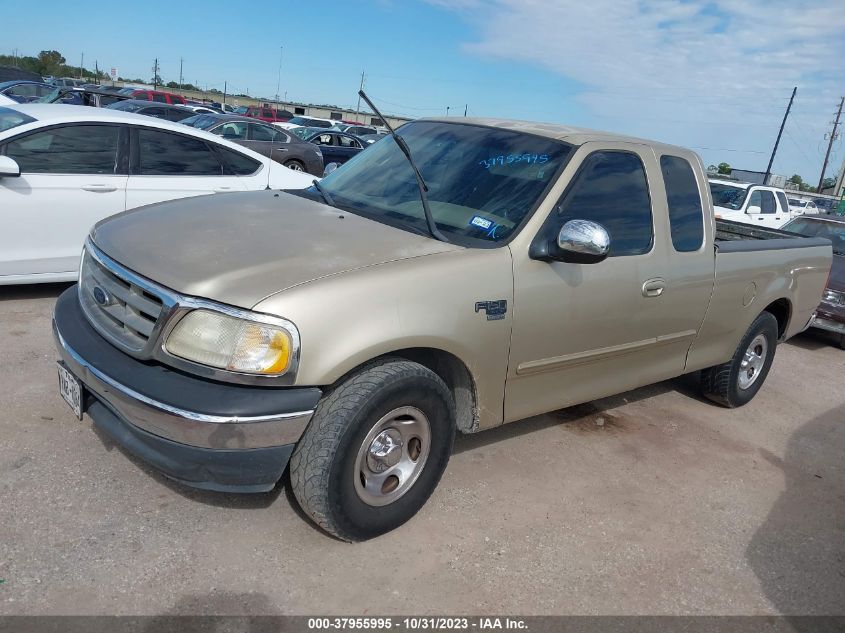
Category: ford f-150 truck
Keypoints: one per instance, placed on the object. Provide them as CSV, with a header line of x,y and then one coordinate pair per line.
x,y
452,279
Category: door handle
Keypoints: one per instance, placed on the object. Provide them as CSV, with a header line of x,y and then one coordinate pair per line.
x,y
654,287
99,188
223,189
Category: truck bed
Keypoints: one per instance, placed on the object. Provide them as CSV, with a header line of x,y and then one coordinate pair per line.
x,y
733,237
729,231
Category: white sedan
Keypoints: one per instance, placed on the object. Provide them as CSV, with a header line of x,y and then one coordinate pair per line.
x,y
63,168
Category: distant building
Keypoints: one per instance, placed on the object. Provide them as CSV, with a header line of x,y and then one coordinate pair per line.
x,y
758,177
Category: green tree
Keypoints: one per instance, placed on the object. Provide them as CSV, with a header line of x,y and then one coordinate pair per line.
x,y
827,183
50,63
724,168
796,179
172,84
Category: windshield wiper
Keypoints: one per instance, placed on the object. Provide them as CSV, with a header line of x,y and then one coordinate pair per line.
x,y
326,195
432,226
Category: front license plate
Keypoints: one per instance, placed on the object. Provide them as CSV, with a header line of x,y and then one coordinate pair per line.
x,y
71,390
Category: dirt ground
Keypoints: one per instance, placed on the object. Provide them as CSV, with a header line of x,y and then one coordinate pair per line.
x,y
652,502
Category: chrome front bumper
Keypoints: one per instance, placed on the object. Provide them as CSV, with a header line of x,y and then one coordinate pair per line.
x,y
180,425
173,405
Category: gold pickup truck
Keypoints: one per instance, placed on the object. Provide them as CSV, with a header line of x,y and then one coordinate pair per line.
x,y
465,274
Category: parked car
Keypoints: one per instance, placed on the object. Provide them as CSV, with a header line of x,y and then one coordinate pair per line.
x,y
63,168
801,207
753,204
153,95
826,205
337,147
267,140
67,82
830,314
20,91
369,139
158,110
82,96
266,114
357,130
199,108
387,323
306,121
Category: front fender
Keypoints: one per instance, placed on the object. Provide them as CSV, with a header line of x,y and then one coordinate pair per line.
x,y
430,301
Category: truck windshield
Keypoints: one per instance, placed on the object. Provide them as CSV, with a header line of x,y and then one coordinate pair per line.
x,y
727,196
483,182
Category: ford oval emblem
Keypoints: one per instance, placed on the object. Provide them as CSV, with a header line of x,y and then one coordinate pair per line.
x,y
101,296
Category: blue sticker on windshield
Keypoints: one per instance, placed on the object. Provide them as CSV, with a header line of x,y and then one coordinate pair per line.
x,y
483,223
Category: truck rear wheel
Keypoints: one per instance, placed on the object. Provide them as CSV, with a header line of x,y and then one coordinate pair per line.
x,y
374,450
736,382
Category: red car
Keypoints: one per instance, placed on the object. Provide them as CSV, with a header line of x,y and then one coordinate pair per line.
x,y
267,114
155,95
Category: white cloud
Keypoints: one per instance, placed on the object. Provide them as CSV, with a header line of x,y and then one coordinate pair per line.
x,y
711,73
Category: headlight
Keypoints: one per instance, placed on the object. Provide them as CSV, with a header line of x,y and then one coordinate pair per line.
x,y
834,298
234,344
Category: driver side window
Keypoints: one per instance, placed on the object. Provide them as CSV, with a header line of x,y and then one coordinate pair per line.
x,y
611,188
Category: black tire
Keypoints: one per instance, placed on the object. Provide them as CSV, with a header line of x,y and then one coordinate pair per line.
x,y
294,164
326,462
722,383
842,341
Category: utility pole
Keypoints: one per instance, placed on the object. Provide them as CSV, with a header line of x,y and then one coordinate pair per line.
x,y
96,72
155,74
81,65
180,73
780,132
358,109
225,87
466,105
447,110
830,145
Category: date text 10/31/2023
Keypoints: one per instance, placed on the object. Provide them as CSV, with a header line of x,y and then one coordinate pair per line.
x,y
511,159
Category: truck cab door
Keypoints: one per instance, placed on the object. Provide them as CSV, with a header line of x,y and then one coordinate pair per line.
x,y
585,331
763,210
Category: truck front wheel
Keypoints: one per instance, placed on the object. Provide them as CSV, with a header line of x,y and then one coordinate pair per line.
x,y
736,382
374,450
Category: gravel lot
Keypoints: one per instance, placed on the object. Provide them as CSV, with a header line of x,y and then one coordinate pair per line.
x,y
653,502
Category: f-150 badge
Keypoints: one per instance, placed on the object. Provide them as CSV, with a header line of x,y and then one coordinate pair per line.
x,y
495,310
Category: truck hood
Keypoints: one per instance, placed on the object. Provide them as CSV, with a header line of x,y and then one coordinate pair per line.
x,y
239,248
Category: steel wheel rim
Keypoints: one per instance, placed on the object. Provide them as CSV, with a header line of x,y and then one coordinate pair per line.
x,y
753,361
392,456
294,166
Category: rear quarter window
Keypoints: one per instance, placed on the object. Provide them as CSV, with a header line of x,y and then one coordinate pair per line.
x,y
686,214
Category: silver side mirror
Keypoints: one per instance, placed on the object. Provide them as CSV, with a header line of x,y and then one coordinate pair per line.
x,y
330,168
583,242
9,168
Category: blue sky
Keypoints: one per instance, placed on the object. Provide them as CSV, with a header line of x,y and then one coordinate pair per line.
x,y
714,75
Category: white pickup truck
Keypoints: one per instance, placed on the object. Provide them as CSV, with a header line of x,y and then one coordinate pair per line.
x,y
749,203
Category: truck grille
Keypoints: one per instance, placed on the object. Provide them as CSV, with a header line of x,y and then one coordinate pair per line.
x,y
121,310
